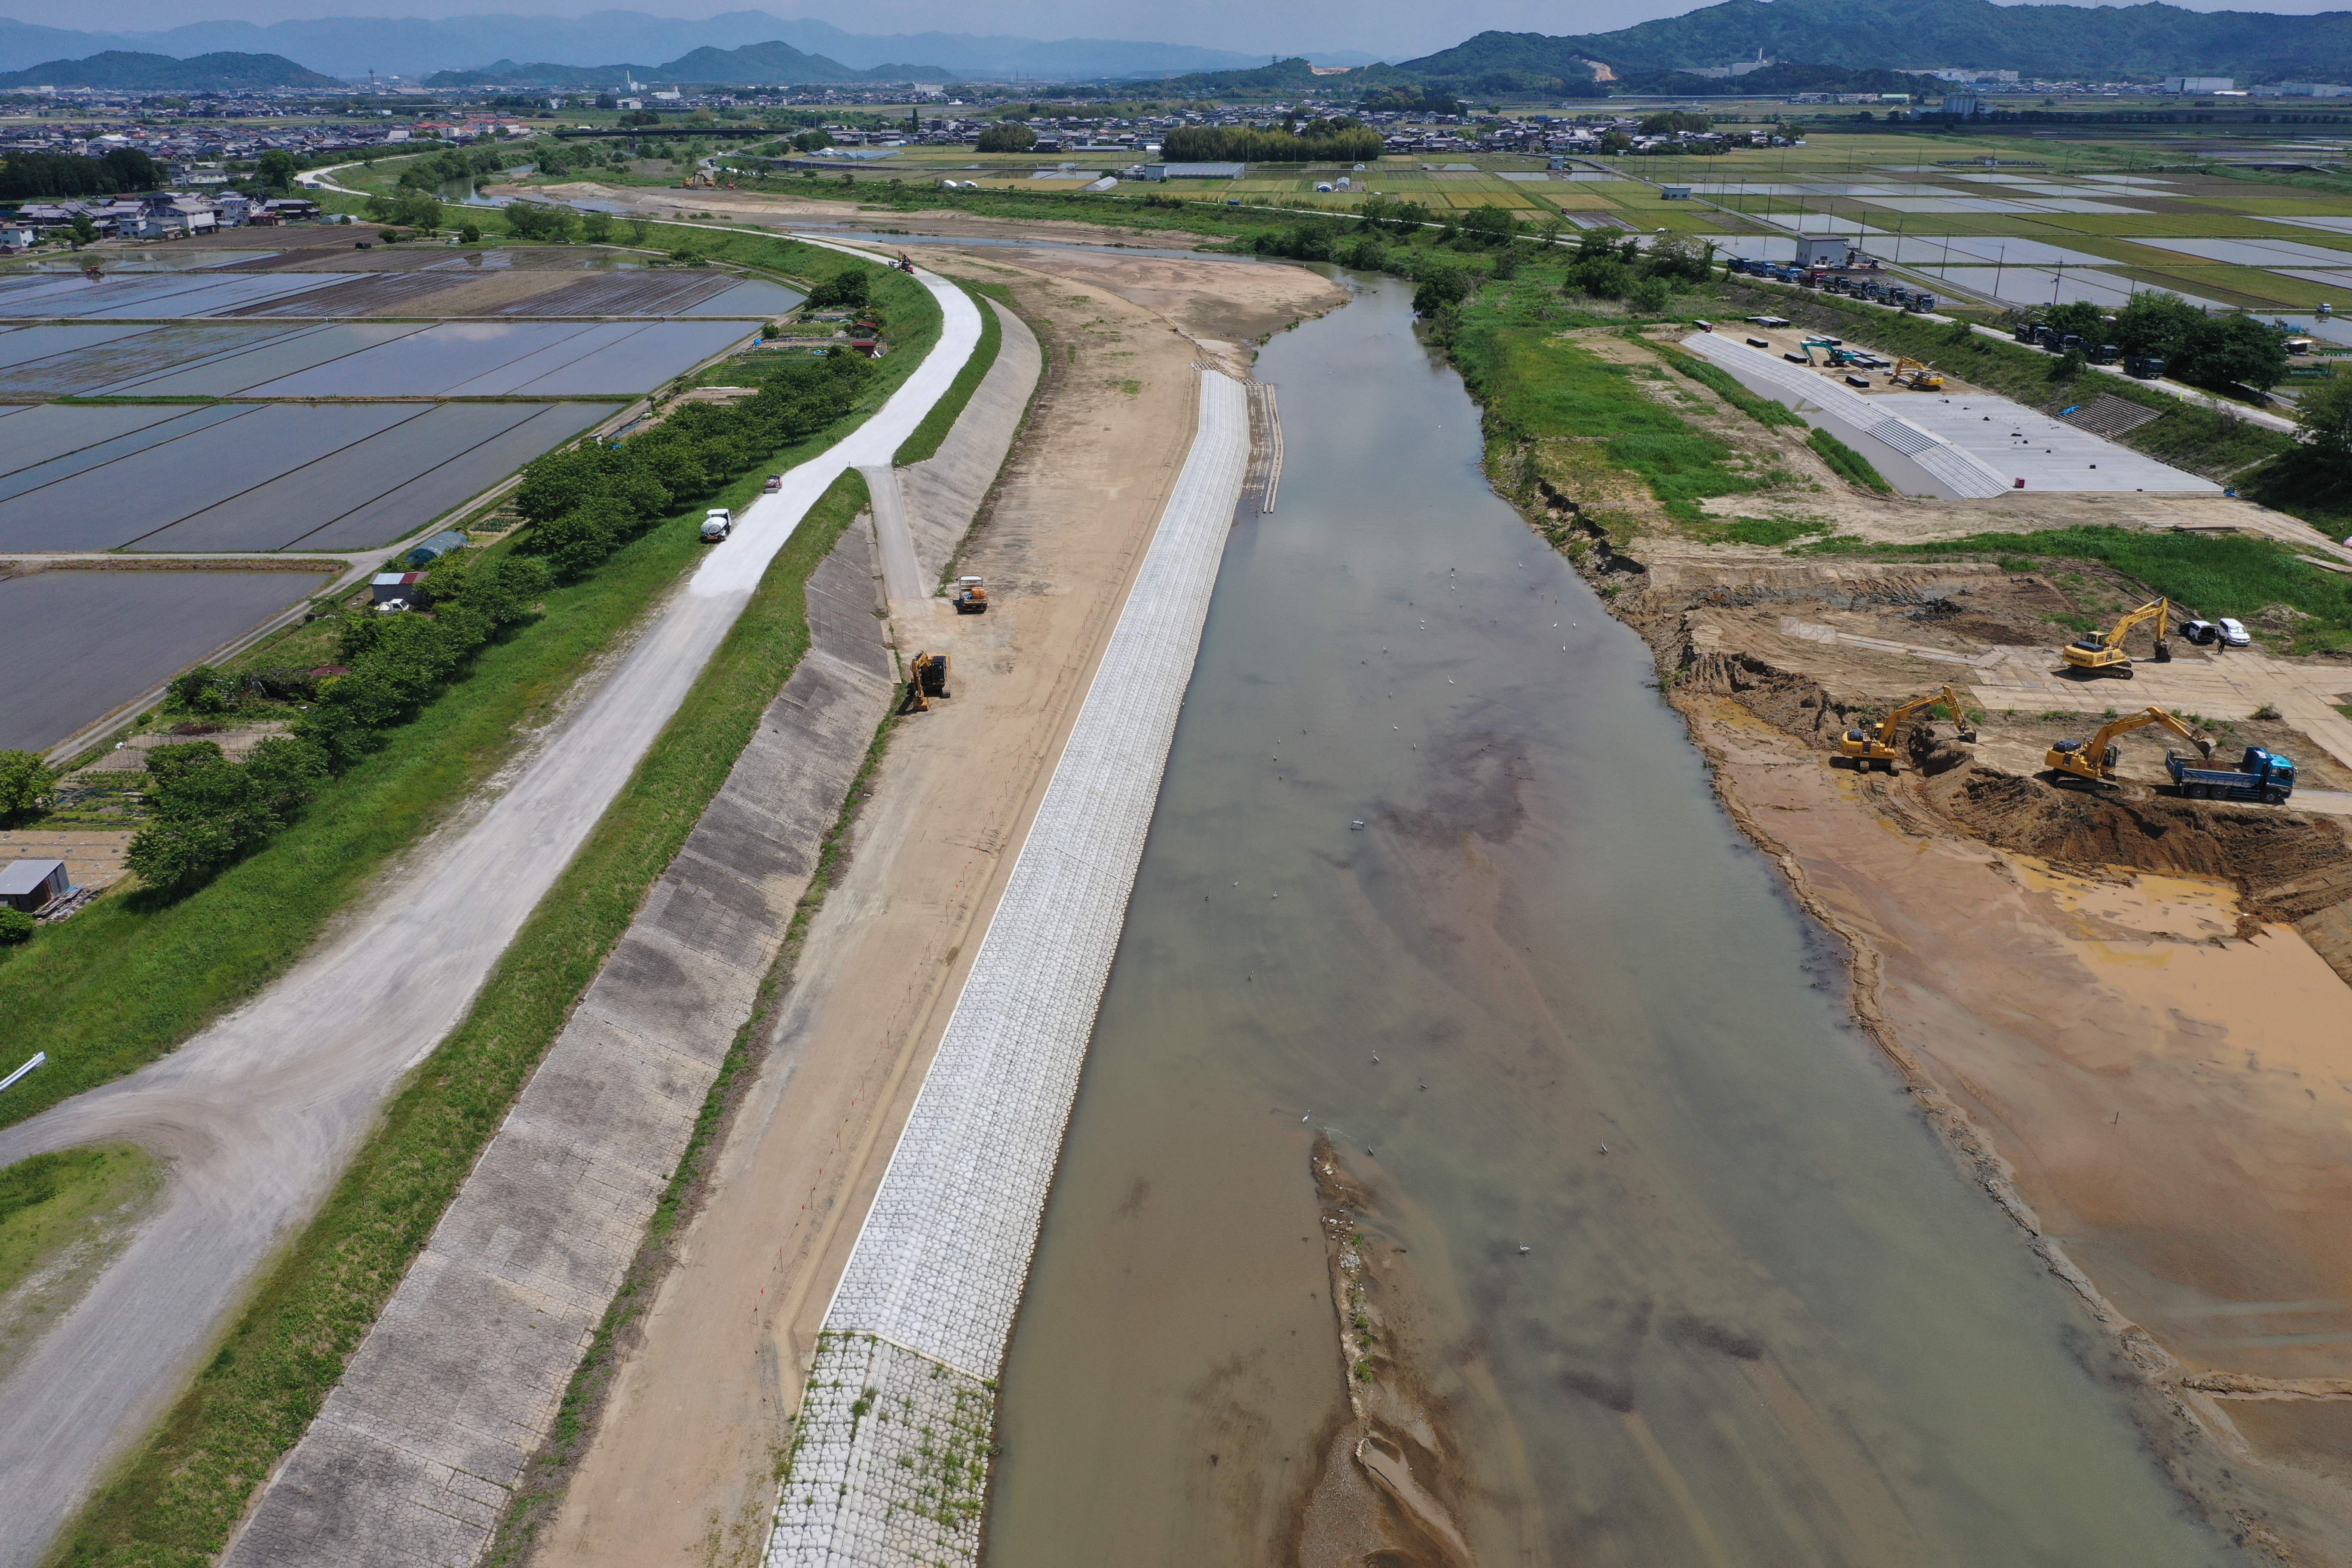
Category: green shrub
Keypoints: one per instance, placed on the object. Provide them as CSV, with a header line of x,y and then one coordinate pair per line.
x,y
1440,285
1601,277
25,782
15,926
1649,295
203,689
848,289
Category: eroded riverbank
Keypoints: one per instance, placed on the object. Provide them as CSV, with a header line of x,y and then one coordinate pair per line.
x,y
1770,1323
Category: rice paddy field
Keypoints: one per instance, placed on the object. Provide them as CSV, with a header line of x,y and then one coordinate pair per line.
x,y
2010,221
310,390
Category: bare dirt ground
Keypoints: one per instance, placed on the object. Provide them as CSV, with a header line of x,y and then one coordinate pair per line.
x,y
681,1465
785,210
2130,1013
1222,307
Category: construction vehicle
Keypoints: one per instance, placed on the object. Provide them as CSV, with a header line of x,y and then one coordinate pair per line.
x,y
1918,376
971,596
1874,744
2104,655
926,678
2261,774
1832,350
2093,760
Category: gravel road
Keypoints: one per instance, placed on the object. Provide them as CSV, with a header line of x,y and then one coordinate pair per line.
x,y
261,1114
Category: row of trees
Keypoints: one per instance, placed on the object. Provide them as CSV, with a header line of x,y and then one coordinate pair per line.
x,y
28,177
2205,350
207,811
1340,140
587,501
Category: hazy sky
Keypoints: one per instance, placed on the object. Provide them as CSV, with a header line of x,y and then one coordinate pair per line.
x,y
1395,29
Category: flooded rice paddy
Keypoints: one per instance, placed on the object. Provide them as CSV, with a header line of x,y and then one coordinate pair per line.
x,y
1659,1264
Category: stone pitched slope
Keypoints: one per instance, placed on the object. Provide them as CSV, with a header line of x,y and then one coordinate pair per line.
x,y
411,1460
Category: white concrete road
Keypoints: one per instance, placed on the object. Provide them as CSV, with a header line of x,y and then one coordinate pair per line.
x,y
261,1114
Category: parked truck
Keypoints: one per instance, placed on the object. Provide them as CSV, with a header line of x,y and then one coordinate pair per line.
x,y
2260,775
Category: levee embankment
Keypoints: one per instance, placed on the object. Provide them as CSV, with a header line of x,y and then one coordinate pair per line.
x,y
413,1455
262,1110
419,1449
890,1452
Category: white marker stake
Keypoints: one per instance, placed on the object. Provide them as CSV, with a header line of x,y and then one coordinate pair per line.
x,y
38,1058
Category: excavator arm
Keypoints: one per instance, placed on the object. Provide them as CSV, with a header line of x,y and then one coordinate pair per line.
x,y
2106,650
1903,715
1875,744
2095,759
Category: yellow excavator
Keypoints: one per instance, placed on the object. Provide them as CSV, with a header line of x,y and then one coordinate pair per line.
x,y
1919,377
1874,744
2103,654
2093,760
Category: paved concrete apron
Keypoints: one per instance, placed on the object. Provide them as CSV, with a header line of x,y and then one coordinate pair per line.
x,y
260,1112
889,1458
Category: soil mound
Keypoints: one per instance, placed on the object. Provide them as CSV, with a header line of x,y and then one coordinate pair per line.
x,y
2288,866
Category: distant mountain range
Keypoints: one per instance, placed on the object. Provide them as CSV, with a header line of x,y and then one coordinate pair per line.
x,y
160,73
416,46
2058,42
772,64
1830,44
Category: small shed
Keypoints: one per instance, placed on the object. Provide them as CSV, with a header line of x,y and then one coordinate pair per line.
x,y
1676,194
387,587
437,546
33,886
1823,250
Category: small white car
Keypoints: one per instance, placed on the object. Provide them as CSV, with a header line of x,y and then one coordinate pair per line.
x,y
717,524
2234,633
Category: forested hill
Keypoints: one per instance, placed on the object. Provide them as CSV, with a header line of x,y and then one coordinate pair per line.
x,y
773,64
122,70
2061,42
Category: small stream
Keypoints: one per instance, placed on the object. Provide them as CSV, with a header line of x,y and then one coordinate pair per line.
x,y
1771,1324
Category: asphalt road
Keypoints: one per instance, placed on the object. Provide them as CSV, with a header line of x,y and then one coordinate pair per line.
x,y
261,1112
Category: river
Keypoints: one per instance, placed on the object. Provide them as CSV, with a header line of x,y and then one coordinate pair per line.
x,y
1677,1271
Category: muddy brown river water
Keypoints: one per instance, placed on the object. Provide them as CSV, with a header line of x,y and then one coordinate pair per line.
x,y
1662,1265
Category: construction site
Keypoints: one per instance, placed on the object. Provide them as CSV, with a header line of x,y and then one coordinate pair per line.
x,y
2110,962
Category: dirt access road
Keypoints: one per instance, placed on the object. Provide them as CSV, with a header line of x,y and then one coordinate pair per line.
x,y
259,1113
679,1464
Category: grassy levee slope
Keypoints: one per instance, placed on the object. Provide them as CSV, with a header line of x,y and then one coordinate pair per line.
x,y
174,1502
1537,387
134,975
48,1202
925,441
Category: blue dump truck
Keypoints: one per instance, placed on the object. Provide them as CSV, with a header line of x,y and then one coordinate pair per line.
x,y
2261,775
